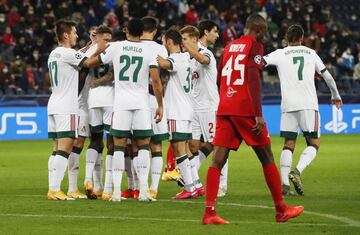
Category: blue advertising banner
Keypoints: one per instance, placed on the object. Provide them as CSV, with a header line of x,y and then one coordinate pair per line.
x,y
31,123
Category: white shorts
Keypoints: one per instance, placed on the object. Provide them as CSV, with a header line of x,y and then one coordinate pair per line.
x,y
308,121
160,129
138,121
179,130
100,118
62,126
83,126
203,124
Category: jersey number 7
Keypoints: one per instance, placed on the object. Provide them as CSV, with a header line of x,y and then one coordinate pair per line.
x,y
228,69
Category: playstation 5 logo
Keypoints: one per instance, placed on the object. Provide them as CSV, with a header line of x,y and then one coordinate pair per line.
x,y
336,125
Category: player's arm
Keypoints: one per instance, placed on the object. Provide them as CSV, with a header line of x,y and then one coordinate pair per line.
x,y
270,59
164,63
329,80
104,80
157,88
82,78
201,58
253,72
95,60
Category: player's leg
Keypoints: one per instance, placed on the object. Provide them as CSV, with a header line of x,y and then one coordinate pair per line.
x,y
52,135
130,171
156,166
289,128
74,164
261,145
108,184
170,172
285,165
66,132
120,129
194,146
310,125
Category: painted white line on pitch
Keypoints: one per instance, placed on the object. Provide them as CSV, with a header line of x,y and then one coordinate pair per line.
x,y
345,220
155,219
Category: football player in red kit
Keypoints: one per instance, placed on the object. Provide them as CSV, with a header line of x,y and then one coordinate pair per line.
x,y
239,118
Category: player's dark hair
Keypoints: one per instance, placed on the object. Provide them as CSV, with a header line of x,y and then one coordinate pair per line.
x,y
294,33
135,27
206,25
150,23
173,35
63,26
102,29
191,30
255,21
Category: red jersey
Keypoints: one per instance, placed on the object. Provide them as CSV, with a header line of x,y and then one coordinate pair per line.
x,y
235,95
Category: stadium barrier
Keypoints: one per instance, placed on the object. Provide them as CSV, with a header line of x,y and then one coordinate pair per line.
x,y
19,123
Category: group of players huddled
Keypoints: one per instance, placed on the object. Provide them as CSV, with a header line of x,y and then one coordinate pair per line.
x,y
142,93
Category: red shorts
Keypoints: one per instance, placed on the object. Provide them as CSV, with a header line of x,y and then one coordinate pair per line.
x,y
231,130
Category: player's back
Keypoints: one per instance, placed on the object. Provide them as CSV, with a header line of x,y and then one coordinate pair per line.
x,y
131,61
296,67
64,78
177,95
205,92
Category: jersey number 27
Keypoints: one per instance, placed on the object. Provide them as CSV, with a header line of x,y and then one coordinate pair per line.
x,y
228,69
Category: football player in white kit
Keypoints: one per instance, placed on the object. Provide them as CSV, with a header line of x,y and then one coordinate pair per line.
x,y
132,61
100,101
179,109
64,64
296,65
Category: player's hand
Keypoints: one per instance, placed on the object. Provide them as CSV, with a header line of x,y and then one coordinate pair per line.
x,y
259,126
338,103
93,84
101,46
159,114
161,60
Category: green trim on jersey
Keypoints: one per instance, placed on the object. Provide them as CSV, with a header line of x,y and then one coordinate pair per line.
x,y
313,135
120,134
106,127
65,134
160,137
82,61
288,134
142,133
96,129
100,60
177,136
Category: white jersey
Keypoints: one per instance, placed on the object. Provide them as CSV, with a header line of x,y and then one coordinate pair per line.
x,y
64,78
204,92
131,61
101,96
296,67
157,49
178,91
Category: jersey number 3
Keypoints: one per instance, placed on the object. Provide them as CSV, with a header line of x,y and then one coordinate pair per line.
x,y
228,69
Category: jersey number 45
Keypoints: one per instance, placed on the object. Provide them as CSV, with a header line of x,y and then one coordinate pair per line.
x,y
231,65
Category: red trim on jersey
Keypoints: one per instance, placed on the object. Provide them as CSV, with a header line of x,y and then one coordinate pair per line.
x,y
316,127
72,122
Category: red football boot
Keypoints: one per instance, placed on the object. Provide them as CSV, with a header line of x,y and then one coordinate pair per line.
x,y
136,194
128,193
213,219
186,195
200,191
288,213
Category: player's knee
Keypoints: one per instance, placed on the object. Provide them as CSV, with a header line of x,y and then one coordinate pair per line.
x,y
218,163
291,148
110,148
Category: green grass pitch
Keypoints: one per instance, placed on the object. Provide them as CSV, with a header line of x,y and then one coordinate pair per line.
x,y
331,185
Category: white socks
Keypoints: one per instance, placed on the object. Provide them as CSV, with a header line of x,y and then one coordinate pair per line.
x,y
285,166
143,168
156,169
183,165
194,172
73,171
60,164
51,168
91,156
201,157
118,167
108,175
224,175
306,157
97,173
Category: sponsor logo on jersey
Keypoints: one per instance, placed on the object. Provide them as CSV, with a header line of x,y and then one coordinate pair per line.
x,y
230,92
336,125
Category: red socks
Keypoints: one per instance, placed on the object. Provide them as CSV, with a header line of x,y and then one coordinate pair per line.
x,y
273,181
212,187
170,159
